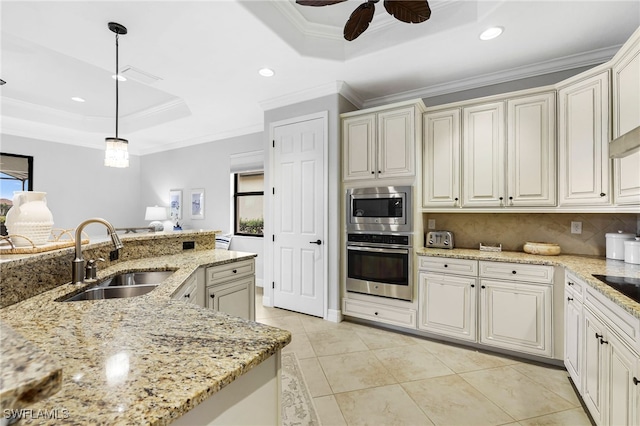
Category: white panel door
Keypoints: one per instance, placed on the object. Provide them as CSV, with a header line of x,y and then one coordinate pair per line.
x,y
441,162
583,132
531,149
483,173
298,217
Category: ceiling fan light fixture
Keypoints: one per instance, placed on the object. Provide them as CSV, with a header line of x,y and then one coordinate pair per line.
x,y
116,153
266,72
491,33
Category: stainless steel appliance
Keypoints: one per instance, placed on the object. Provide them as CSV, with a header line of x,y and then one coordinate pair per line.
x,y
380,264
439,239
379,209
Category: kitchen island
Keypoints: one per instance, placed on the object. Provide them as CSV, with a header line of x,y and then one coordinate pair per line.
x,y
146,359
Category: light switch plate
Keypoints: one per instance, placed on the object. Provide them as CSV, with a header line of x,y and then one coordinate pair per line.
x,y
576,227
431,224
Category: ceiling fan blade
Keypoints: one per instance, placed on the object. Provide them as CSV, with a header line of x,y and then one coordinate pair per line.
x,y
359,20
409,11
318,2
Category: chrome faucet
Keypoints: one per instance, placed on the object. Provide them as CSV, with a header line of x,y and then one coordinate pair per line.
x,y
77,266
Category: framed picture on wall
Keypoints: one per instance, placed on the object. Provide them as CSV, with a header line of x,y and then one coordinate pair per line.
x,y
175,204
197,203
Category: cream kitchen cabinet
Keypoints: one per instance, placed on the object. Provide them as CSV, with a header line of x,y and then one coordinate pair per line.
x,y
626,116
381,142
583,134
516,307
573,328
611,388
448,302
528,150
231,288
441,162
192,291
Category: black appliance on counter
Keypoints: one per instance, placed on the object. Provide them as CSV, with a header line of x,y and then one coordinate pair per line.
x,y
628,286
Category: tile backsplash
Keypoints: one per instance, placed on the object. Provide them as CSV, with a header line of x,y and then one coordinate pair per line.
x,y
512,230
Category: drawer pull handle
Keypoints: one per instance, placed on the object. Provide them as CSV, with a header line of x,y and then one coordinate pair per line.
x,y
187,295
569,299
598,336
603,341
636,381
570,283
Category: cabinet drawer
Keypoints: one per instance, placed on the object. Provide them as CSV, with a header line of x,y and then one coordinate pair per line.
x,y
517,272
574,284
187,292
448,265
622,322
218,274
386,314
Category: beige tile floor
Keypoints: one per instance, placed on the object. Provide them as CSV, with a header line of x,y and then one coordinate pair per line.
x,y
361,375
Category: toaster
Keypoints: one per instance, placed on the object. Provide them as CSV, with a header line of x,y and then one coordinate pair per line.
x,y
439,239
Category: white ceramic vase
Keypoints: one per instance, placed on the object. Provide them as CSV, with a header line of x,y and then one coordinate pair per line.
x,y
29,217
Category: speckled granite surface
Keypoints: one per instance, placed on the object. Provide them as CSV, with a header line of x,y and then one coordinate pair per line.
x,y
27,374
582,266
146,359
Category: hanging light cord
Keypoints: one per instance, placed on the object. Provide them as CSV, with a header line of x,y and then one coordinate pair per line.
x,y
117,79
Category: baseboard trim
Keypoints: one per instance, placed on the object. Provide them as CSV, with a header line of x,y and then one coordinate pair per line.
x,y
334,315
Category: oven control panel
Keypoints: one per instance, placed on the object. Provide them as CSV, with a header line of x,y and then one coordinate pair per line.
x,y
397,240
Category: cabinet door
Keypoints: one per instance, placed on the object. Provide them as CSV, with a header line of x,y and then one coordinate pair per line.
x,y
594,366
622,368
359,147
483,157
233,298
396,143
583,131
516,316
441,164
447,305
531,151
626,116
573,335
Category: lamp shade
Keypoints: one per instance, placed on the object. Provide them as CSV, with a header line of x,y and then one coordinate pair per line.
x,y
156,213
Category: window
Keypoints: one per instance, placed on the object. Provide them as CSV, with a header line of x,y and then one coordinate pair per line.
x,y
248,194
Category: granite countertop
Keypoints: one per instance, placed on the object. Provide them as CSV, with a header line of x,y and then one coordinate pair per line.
x,y
141,360
582,266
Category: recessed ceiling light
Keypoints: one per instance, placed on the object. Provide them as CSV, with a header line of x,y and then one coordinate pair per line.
x,y
77,99
491,33
266,72
119,77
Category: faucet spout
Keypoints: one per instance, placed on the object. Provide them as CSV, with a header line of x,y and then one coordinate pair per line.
x,y
77,270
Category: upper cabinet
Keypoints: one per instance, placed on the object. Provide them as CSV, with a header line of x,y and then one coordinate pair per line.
x,y
626,116
583,133
381,143
500,153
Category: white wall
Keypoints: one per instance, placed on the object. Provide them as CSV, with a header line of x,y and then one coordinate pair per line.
x,y
201,166
79,186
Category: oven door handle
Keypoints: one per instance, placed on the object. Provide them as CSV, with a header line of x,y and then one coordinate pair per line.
x,y
378,250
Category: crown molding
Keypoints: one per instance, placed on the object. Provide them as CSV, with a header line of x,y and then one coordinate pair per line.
x,y
336,87
594,57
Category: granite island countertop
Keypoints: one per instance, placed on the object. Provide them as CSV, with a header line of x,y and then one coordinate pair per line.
x,y
582,266
141,360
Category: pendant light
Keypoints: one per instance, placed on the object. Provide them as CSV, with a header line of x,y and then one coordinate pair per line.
x,y
116,153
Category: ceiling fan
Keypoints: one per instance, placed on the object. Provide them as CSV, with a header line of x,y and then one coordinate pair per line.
x,y
409,11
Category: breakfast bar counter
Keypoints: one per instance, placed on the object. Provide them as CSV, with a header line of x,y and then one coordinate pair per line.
x,y
140,360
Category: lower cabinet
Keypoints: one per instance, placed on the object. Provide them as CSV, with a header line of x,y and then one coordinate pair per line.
x,y
516,316
231,288
192,291
573,329
402,317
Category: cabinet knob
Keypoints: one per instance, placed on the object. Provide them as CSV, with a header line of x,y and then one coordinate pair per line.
x,y
455,199
473,285
636,381
235,271
375,313
482,286
602,194
187,295
514,272
569,299
511,198
372,172
570,283
446,266
501,198
212,295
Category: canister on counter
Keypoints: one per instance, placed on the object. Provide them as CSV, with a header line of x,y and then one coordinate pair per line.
x,y
632,251
615,244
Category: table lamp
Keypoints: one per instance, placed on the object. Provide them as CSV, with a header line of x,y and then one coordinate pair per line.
x,y
156,215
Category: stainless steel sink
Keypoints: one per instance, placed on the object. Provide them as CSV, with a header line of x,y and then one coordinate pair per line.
x,y
129,284
136,278
96,293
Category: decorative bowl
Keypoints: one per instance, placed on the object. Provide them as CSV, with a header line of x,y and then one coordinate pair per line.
x,y
545,249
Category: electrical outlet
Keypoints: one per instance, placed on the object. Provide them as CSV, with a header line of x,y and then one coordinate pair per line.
x,y
576,227
431,224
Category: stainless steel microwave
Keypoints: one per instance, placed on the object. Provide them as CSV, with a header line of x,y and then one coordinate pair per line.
x,y
383,209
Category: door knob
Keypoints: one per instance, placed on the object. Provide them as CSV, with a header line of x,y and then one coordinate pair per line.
x,y
318,242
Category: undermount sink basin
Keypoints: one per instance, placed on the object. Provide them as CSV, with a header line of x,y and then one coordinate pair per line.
x,y
136,278
97,293
129,284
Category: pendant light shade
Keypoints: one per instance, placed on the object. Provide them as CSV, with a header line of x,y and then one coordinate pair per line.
x,y
117,149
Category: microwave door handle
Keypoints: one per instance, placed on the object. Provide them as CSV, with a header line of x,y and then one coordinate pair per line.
x,y
379,250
